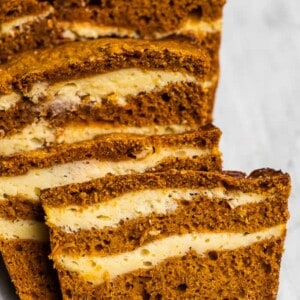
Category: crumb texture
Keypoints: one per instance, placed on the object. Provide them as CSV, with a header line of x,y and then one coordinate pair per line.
x,y
145,19
30,270
123,147
246,273
239,257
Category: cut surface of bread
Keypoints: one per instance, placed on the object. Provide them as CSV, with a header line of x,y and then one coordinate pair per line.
x,y
79,90
170,235
23,176
32,24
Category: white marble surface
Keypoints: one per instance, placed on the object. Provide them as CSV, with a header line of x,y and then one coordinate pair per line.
x,y
258,107
258,104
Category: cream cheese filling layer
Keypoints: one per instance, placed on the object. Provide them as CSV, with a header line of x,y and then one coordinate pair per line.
x,y
86,30
8,101
30,184
98,269
41,134
194,26
113,86
138,204
10,27
23,229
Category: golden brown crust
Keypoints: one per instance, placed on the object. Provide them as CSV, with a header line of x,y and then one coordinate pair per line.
x,y
30,269
112,186
113,147
78,59
245,273
213,215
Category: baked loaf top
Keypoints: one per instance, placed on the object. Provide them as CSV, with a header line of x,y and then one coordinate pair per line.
x,y
80,59
259,181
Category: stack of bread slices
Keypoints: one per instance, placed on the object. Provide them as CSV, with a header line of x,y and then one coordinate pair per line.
x,y
111,180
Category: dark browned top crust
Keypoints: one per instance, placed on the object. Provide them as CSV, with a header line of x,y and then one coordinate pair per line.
x,y
104,189
113,147
80,59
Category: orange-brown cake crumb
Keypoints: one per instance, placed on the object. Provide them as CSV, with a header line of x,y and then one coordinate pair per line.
x,y
33,24
115,83
169,235
23,175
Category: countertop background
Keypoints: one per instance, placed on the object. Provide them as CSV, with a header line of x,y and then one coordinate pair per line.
x,y
258,108
258,104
